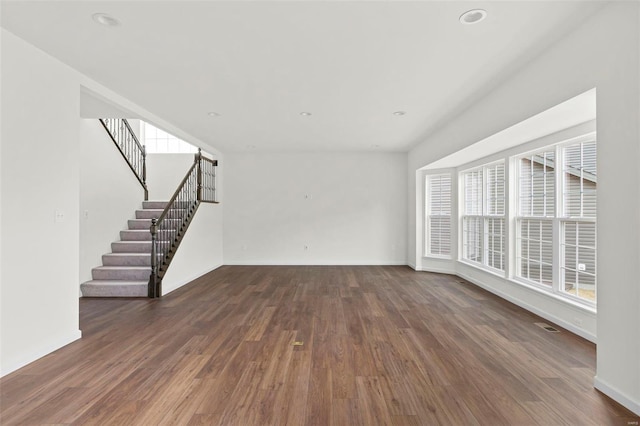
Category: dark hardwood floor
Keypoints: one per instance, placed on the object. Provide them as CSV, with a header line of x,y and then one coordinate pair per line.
x,y
379,346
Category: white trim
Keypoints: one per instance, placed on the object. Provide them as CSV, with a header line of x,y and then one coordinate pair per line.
x,y
412,266
438,256
531,308
616,395
53,346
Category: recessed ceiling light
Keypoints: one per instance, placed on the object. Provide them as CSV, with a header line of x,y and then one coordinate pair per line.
x,y
473,16
251,147
305,114
213,114
399,113
105,19
375,146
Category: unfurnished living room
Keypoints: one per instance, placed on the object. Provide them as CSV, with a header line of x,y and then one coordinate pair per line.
x,y
320,212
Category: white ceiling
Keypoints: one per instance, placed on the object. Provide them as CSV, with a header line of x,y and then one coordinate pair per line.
x,y
259,64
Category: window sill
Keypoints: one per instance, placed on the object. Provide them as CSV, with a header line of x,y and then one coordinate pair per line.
x,y
437,256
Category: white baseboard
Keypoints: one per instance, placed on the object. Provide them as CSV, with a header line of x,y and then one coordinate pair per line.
x,y
616,395
52,346
412,266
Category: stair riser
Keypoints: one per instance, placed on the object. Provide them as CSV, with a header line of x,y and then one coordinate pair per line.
x,y
154,204
131,247
90,289
135,235
138,236
148,214
137,224
121,274
124,260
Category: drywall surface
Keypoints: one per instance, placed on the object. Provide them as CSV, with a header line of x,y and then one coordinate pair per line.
x,y
109,195
165,172
40,204
602,53
200,250
315,208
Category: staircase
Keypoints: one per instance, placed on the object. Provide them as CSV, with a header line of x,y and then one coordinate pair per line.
x,y
125,272
140,259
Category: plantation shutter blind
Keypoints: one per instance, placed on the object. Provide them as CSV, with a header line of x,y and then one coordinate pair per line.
x,y
495,229
439,215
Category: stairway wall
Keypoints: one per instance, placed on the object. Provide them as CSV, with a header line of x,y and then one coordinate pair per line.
x,y
165,172
200,251
39,167
109,195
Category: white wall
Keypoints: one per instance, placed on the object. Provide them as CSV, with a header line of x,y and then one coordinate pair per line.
x,y
40,104
200,250
347,208
109,195
602,53
165,172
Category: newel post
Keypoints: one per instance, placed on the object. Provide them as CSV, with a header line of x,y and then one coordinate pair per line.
x,y
154,283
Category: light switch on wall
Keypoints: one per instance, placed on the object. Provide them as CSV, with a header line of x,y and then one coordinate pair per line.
x,y
58,216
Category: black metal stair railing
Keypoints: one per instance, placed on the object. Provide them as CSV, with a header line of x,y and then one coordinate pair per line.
x,y
130,147
167,231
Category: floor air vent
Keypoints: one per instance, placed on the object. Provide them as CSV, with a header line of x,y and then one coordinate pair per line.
x,y
547,327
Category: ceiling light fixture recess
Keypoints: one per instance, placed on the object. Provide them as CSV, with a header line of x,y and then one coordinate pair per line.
x,y
305,114
399,113
213,114
473,16
105,19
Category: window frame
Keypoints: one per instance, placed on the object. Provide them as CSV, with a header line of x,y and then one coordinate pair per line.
x,y
484,217
558,221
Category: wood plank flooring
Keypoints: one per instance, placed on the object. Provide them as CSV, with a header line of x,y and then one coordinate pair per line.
x,y
380,346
